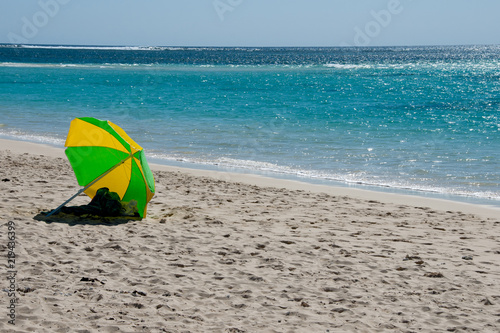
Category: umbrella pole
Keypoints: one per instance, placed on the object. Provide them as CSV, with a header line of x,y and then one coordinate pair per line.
x,y
86,187
65,203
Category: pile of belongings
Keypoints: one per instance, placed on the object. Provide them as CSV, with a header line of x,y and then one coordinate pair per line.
x,y
106,204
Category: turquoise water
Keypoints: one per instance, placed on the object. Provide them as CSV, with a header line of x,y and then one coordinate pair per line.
x,y
413,119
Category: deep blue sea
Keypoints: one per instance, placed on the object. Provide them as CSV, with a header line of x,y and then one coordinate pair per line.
x,y
420,120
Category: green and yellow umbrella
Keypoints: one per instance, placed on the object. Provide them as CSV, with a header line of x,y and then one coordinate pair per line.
x,y
103,155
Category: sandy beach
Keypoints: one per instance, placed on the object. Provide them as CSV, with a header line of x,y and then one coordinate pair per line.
x,y
221,252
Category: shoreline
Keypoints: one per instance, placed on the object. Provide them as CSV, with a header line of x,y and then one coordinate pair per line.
x,y
486,211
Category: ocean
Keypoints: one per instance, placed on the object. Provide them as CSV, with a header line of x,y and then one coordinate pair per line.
x,y
416,120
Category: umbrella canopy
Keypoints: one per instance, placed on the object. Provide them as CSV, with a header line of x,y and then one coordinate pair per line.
x,y
103,155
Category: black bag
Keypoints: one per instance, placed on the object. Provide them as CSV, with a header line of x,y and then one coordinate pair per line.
x,y
104,203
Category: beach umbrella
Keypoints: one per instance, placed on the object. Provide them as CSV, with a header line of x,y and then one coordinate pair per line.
x,y
103,155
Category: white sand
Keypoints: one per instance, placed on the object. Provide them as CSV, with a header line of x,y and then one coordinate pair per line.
x,y
223,252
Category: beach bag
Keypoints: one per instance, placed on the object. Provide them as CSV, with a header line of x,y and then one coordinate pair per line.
x,y
104,203
107,202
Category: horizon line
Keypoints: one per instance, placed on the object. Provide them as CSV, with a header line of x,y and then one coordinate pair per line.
x,y
152,47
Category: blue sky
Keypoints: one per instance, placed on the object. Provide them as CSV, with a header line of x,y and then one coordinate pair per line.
x,y
250,22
